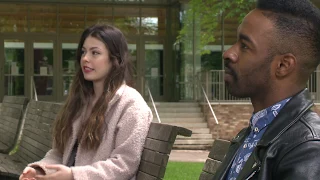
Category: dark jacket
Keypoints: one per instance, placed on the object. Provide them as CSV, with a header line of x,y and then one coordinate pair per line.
x,y
289,148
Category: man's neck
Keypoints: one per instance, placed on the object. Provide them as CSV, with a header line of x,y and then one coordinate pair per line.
x,y
264,101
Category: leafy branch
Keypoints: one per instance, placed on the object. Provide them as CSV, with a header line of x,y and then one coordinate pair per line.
x,y
203,17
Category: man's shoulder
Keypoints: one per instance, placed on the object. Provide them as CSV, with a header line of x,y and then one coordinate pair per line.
x,y
311,122
305,129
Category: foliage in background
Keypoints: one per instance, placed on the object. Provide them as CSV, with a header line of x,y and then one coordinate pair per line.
x,y
206,15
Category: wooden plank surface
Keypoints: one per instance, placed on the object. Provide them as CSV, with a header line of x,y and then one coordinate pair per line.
x,y
158,146
163,132
211,166
219,149
206,176
152,169
11,115
154,157
184,131
143,176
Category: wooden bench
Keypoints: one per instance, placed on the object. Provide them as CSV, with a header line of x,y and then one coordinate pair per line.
x,y
215,157
157,149
35,141
11,115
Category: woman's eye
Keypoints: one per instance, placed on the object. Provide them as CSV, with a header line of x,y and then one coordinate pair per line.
x,y
82,52
95,52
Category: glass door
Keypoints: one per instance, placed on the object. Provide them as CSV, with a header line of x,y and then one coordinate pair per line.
x,y
133,56
153,68
69,62
43,69
135,60
13,67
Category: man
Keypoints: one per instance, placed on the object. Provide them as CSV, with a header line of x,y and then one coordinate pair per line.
x,y
277,49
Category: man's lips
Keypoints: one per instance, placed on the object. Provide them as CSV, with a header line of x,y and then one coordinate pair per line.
x,y
228,71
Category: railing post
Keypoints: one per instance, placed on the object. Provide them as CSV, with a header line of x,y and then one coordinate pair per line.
x,y
207,83
208,102
154,106
317,95
33,89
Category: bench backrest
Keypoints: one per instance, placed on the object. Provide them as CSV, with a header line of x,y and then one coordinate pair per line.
x,y
157,149
36,140
36,135
215,157
11,114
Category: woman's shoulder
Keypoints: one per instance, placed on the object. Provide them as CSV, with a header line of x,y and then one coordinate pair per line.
x,y
131,95
132,100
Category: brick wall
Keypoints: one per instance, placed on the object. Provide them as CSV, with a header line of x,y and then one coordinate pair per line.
x,y
232,118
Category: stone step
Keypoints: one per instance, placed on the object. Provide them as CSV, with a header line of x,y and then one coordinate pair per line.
x,y
200,130
178,120
196,136
190,125
194,141
192,147
179,115
174,104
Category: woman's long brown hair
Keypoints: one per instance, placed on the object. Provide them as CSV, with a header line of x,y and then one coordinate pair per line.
x,y
81,90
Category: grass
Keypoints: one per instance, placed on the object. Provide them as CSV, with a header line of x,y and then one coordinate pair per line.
x,y
183,170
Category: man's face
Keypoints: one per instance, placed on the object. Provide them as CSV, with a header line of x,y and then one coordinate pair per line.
x,y
248,61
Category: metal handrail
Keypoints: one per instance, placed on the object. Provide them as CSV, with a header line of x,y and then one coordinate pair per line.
x,y
33,88
154,106
205,95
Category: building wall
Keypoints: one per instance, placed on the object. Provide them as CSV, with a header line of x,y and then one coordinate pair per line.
x,y
232,118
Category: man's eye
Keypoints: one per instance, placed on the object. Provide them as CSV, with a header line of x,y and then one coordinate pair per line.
x,y
244,46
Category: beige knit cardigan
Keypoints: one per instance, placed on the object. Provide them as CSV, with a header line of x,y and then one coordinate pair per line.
x,y
128,118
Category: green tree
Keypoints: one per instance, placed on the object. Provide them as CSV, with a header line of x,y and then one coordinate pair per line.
x,y
206,15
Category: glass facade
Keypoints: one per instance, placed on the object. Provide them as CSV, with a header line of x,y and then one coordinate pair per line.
x,y
14,67
43,38
39,39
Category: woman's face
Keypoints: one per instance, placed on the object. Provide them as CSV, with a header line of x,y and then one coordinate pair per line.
x,y
95,61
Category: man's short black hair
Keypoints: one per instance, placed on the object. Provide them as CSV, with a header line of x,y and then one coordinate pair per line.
x,y
297,24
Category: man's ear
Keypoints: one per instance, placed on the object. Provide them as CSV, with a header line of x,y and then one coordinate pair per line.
x,y
286,64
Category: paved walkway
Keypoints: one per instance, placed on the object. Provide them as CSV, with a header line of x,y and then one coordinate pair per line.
x,y
188,155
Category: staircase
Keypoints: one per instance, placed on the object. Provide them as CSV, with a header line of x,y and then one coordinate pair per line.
x,y
188,115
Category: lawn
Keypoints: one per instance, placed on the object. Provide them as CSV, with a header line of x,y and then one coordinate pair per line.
x,y
183,171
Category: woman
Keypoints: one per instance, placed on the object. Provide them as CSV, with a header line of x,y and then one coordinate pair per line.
x,y
101,130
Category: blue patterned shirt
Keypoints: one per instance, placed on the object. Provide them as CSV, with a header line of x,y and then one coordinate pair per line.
x,y
258,122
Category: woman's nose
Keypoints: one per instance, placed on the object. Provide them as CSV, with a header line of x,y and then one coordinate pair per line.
x,y
85,58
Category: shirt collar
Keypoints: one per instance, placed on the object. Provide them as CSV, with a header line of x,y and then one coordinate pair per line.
x,y
263,118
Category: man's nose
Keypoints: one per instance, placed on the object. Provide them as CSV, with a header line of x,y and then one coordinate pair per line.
x,y
230,55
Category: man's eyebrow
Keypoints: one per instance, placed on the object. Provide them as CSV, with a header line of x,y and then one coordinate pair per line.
x,y
245,37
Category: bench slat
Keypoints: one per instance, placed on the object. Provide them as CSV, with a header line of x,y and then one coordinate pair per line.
x,y
158,146
215,158
211,166
206,176
219,149
11,115
166,132
155,157
144,176
162,132
152,169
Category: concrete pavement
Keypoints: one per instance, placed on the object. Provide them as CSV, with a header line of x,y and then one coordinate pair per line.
x,y
188,155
